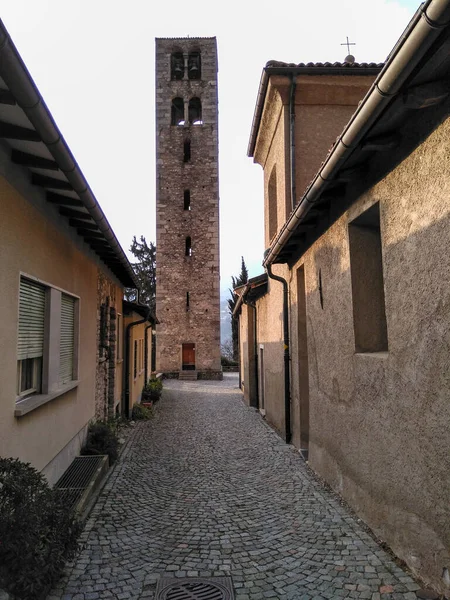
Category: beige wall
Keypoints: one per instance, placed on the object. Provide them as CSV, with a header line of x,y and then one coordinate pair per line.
x,y
49,436
379,421
138,333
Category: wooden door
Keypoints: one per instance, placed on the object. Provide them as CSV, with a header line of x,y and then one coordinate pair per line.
x,y
188,358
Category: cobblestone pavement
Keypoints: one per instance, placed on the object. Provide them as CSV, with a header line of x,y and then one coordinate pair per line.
x,y
206,488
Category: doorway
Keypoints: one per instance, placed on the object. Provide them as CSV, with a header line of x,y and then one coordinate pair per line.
x,y
261,381
303,368
188,357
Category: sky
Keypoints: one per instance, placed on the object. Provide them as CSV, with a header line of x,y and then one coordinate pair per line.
x,y
93,62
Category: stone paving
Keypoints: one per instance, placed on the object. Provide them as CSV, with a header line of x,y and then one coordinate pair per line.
x,y
206,488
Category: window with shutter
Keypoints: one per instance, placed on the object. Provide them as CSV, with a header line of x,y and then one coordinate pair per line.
x,y
67,339
30,346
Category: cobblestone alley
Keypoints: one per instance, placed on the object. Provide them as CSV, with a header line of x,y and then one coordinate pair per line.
x,y
206,488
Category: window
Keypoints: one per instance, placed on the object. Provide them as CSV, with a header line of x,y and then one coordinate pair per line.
x,y
47,339
67,339
119,334
195,111
187,301
30,347
141,355
272,204
135,359
187,151
177,66
177,111
187,200
194,66
188,250
366,268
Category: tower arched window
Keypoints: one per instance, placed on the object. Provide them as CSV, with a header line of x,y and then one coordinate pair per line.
x,y
194,66
177,66
187,200
188,251
177,111
195,111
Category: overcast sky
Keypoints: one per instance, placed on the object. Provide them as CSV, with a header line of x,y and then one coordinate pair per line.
x,y
93,62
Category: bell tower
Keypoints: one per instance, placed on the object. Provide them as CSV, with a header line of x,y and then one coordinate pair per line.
x,y
187,208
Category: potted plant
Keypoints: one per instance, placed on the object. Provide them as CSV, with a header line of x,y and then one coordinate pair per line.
x,y
152,391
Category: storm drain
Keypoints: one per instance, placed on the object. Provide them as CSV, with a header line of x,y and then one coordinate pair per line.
x,y
80,480
213,588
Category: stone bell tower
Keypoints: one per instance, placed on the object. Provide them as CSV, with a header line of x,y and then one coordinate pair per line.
x,y
187,208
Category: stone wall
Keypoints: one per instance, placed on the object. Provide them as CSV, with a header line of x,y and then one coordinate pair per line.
x,y
105,380
196,320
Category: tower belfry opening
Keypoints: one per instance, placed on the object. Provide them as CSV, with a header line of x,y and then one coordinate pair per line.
x,y
187,240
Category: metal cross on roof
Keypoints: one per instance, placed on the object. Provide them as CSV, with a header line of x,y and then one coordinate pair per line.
x,y
348,44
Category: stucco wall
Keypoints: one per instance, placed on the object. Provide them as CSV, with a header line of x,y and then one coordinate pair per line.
x,y
30,244
138,333
379,421
270,338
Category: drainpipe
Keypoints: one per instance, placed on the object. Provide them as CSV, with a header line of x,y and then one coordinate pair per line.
x,y
127,359
287,375
292,138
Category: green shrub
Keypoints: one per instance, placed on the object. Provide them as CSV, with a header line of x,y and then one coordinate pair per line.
x,y
101,439
227,362
141,413
152,390
38,533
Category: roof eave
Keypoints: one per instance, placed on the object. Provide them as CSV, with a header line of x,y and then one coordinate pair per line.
x,y
21,85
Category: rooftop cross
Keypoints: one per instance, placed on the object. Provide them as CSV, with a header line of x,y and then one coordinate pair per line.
x,y
348,44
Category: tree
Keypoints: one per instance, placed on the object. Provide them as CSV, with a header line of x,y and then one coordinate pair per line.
x,y
236,282
145,271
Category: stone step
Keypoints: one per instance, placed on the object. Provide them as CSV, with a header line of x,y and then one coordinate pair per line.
x,y
188,375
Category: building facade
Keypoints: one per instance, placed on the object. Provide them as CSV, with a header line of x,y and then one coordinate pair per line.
x,y
187,208
358,286
63,274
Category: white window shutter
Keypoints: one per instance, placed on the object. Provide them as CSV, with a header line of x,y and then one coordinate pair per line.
x,y
31,320
67,339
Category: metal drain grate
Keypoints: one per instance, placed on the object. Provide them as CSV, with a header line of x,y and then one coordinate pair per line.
x,y
80,475
214,588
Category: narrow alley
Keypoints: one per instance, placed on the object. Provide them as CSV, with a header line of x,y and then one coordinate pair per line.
x,y
207,489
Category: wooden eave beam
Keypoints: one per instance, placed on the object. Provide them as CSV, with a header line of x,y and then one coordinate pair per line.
x,y
381,143
89,235
7,98
426,94
62,200
15,132
83,225
30,160
75,214
50,182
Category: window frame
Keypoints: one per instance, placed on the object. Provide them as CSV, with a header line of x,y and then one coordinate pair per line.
x,y
49,385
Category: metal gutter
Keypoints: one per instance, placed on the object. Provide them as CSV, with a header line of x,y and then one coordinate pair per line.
x,y
428,22
19,81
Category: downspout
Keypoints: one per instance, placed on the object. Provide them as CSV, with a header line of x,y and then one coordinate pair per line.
x,y
292,139
287,374
127,359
